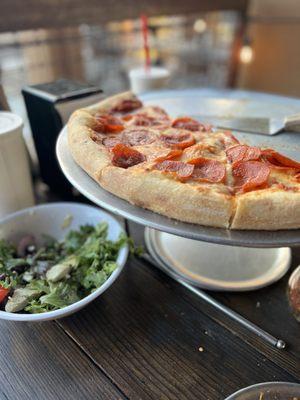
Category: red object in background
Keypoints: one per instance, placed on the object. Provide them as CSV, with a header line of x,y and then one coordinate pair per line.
x,y
145,32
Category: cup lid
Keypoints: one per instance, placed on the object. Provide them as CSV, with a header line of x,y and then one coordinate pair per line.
x,y
152,73
9,122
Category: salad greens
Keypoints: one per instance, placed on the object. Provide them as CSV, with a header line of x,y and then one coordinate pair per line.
x,y
58,273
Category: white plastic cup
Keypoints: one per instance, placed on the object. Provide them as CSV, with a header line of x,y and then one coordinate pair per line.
x,y
16,190
142,80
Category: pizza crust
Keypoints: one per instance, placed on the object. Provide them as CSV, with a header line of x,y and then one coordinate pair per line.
x,y
267,209
156,192
84,151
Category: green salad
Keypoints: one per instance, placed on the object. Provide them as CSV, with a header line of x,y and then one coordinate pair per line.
x,y
36,280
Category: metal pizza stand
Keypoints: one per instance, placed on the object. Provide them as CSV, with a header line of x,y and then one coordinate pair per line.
x,y
212,258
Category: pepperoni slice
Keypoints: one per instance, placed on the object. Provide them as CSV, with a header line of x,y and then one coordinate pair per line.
x,y
170,155
190,124
147,117
136,137
127,105
243,152
143,120
127,117
228,140
278,160
111,141
125,157
249,175
180,169
207,170
179,140
108,124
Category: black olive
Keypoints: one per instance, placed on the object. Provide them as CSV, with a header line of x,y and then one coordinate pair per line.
x,y
19,269
17,265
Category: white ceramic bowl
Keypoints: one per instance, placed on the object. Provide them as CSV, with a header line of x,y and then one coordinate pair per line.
x,y
48,219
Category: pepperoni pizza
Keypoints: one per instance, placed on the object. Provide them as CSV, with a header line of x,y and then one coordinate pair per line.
x,y
184,169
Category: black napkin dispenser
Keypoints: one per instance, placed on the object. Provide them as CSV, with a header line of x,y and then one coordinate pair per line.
x,y
49,106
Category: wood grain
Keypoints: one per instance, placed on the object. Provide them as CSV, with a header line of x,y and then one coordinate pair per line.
x,y
39,361
15,15
146,337
267,307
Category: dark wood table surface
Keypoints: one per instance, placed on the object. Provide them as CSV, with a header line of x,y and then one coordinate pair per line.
x,y
141,340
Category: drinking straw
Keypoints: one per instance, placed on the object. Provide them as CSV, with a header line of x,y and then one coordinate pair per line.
x,y
145,32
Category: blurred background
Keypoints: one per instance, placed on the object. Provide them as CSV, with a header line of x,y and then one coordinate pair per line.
x,y
251,44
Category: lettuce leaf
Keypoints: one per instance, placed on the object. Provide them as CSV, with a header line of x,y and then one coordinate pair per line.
x,y
7,250
60,295
95,258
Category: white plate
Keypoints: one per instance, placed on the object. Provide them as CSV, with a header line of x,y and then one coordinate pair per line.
x,y
48,219
218,267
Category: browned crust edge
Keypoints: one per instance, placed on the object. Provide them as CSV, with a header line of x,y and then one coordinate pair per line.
x,y
267,209
156,192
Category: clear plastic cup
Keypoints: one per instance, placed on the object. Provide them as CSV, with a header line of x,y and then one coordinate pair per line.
x,y
142,80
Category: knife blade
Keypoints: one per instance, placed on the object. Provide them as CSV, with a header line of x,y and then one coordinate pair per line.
x,y
264,126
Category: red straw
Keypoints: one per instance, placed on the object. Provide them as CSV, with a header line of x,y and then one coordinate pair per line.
x,y
145,31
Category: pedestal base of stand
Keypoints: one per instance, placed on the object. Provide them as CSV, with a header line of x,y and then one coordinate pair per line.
x,y
217,267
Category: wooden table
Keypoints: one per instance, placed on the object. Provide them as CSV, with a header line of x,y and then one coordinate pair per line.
x,y
143,338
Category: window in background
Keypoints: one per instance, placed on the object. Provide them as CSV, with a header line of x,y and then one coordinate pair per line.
x,y
196,48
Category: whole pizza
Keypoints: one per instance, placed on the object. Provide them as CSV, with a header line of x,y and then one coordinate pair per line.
x,y
184,169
